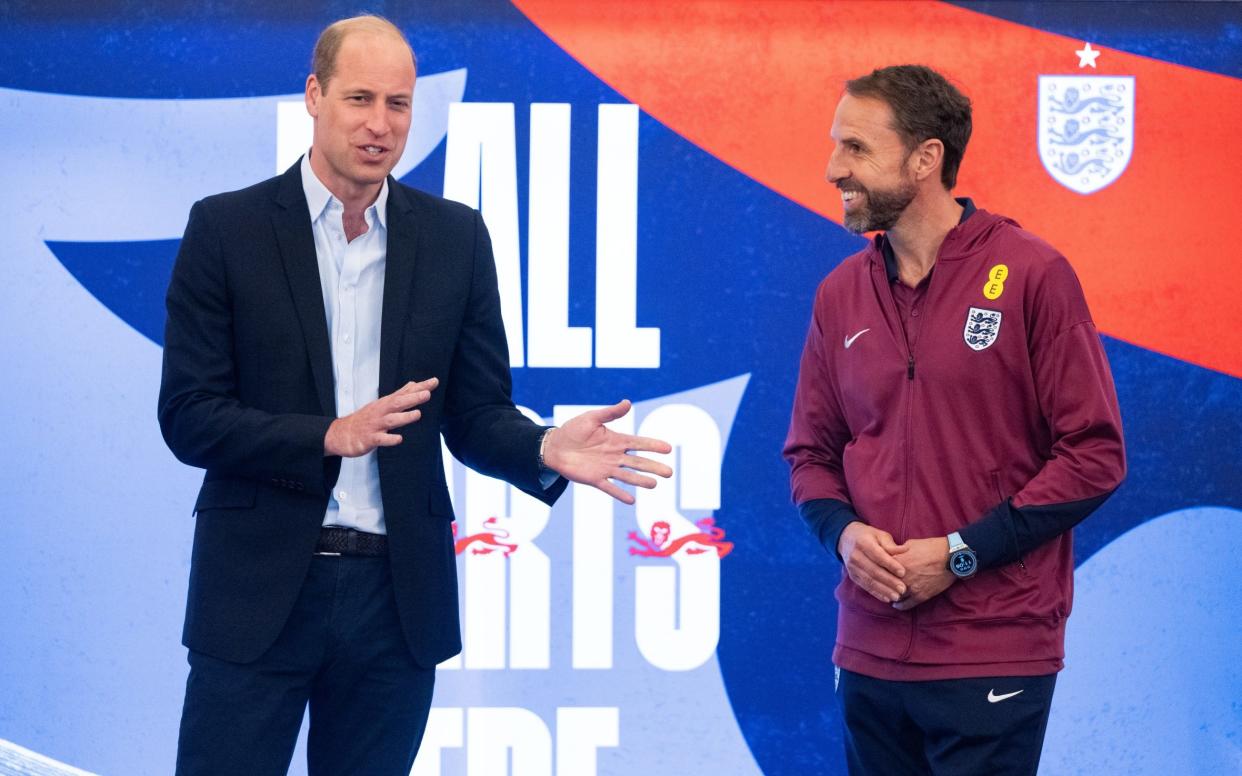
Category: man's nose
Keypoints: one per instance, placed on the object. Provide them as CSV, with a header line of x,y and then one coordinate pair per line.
x,y
377,120
836,170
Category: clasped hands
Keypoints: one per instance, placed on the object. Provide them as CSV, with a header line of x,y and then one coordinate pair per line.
x,y
582,450
902,575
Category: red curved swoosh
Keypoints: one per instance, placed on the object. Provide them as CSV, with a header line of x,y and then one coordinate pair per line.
x,y
755,84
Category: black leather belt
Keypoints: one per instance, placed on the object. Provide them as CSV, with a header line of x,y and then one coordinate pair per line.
x,y
334,540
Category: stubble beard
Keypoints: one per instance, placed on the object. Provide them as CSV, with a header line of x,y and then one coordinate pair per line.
x,y
881,209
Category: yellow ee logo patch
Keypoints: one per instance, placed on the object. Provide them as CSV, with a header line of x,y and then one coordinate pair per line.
x,y
996,281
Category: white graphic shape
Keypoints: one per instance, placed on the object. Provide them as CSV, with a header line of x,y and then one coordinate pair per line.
x,y
553,342
994,698
580,734
593,552
1087,56
619,342
505,592
164,155
499,737
444,731
1153,668
480,171
678,608
1086,129
20,761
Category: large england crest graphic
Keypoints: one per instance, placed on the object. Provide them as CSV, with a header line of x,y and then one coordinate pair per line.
x,y
1086,129
981,329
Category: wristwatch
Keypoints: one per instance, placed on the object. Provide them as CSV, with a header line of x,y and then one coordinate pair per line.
x,y
962,560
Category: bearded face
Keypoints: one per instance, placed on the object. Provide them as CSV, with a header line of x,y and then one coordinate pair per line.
x,y
870,164
875,209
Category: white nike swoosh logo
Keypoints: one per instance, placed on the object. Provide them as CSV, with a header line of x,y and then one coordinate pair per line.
x,y
850,340
994,698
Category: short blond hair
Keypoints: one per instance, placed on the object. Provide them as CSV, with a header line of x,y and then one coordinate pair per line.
x,y
323,60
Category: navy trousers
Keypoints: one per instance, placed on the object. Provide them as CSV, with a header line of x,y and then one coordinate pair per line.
x,y
343,653
991,726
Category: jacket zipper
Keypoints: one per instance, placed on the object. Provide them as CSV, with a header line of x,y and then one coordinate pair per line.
x,y
905,511
905,502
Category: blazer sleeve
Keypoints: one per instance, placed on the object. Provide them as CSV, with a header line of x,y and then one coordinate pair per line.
x,y
200,415
481,426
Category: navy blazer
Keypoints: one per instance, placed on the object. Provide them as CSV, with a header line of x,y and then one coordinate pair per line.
x,y
247,394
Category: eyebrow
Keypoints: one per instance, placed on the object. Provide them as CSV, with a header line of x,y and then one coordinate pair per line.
x,y
360,92
855,139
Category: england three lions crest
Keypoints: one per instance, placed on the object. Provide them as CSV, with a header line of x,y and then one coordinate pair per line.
x,y
1086,129
982,326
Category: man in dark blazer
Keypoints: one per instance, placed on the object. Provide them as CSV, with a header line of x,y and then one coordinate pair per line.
x,y
325,327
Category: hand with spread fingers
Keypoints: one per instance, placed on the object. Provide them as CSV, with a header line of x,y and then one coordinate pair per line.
x,y
869,556
584,450
927,571
360,432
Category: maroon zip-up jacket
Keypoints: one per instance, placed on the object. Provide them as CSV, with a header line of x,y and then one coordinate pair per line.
x,y
1001,422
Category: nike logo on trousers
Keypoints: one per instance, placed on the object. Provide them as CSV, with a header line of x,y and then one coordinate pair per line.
x,y
994,698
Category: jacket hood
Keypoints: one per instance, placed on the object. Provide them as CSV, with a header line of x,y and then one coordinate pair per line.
x,y
964,240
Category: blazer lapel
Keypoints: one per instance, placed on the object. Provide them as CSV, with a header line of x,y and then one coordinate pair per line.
x,y
398,281
291,219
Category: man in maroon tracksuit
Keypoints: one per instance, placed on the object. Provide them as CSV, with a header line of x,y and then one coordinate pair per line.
x,y
954,419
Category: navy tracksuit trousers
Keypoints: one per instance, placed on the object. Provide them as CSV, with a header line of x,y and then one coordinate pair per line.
x,y
990,726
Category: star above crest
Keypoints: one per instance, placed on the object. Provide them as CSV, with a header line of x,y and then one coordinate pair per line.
x,y
1087,55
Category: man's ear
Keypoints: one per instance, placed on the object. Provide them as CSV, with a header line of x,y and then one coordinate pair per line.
x,y
314,93
927,158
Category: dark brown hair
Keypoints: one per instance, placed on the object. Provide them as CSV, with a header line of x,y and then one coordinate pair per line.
x,y
925,106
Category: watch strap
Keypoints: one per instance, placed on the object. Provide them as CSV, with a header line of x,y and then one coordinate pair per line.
x,y
956,543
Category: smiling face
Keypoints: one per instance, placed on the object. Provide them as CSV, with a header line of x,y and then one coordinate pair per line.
x,y
362,114
869,165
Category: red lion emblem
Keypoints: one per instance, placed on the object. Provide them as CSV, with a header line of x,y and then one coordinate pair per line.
x,y
708,538
490,539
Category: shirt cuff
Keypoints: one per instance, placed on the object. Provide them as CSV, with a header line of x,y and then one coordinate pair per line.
x,y
826,518
547,477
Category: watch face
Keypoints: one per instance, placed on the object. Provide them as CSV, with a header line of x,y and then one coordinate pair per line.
x,y
963,563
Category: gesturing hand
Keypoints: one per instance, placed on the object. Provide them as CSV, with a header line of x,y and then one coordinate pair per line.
x,y
584,451
869,560
927,571
368,427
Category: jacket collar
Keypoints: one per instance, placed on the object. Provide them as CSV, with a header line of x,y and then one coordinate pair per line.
x,y
297,250
886,248
318,197
403,237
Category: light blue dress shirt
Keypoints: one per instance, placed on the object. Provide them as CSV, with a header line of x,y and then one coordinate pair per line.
x,y
351,275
